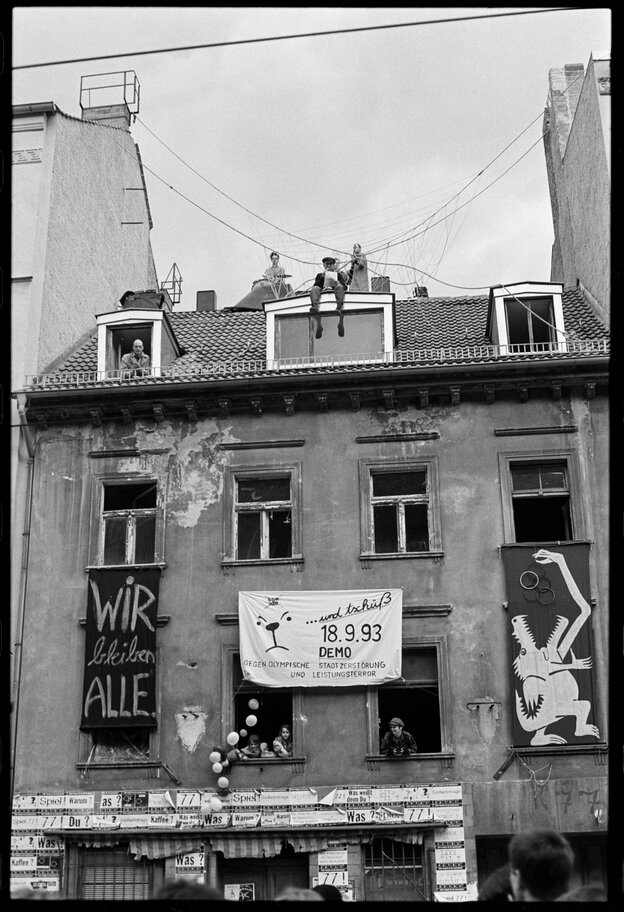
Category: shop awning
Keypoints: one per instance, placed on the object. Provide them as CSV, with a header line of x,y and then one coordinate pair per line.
x,y
152,847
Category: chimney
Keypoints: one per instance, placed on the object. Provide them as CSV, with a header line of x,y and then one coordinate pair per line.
x,y
380,284
110,97
146,300
206,300
420,291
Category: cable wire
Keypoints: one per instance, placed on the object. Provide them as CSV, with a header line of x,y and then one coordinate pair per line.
x,y
363,28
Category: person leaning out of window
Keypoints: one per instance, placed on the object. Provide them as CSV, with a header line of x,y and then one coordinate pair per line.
x,y
397,742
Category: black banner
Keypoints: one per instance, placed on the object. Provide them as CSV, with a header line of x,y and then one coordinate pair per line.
x,y
120,656
551,644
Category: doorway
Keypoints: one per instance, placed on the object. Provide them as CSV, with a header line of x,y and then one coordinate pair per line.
x,y
249,879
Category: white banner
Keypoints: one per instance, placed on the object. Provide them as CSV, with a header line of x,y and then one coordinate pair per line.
x,y
321,639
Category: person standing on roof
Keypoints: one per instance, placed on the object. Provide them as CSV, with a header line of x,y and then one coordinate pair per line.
x,y
358,271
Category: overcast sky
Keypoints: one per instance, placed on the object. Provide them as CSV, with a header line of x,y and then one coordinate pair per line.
x,y
370,137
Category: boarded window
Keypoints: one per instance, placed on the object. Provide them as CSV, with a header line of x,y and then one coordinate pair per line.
x,y
112,873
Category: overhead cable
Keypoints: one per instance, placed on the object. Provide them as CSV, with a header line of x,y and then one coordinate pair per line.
x,y
363,28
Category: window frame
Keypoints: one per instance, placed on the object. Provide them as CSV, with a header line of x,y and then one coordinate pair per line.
x,y
97,531
579,515
527,301
413,644
228,652
291,470
369,467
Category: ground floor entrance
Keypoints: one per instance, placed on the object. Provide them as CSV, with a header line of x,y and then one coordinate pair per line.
x,y
262,878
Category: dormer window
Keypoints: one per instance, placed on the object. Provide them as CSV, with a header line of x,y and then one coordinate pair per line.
x,y
530,321
527,318
363,333
142,316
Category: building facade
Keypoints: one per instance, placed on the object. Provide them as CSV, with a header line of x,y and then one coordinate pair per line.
x,y
80,226
271,526
577,141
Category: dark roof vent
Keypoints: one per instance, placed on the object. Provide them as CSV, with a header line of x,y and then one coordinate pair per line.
x,y
420,291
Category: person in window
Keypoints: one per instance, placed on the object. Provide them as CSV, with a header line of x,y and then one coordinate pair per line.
x,y
358,271
331,279
136,363
282,743
397,742
254,749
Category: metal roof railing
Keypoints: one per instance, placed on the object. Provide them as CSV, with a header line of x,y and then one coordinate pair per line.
x,y
178,373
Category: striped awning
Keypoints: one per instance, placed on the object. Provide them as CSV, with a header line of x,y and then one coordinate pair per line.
x,y
153,847
267,846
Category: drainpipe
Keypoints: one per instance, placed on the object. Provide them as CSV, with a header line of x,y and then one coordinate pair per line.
x,y
28,438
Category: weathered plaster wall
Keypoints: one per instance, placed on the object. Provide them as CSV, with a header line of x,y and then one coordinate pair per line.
x,y
93,254
194,589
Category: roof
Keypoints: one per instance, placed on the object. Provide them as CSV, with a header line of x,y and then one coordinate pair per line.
x,y
422,325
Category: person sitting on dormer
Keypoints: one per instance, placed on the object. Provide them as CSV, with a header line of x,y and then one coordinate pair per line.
x,y
397,742
282,743
136,363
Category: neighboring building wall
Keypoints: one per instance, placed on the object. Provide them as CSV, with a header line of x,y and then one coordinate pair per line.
x,y
80,233
190,468
578,166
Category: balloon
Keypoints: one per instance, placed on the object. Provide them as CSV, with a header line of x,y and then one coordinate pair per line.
x,y
214,756
217,767
233,738
215,804
253,704
223,782
250,721
243,732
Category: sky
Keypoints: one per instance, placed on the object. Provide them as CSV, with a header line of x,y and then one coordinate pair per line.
x,y
385,137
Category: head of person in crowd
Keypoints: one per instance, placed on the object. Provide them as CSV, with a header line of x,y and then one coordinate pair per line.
x,y
187,889
592,892
298,894
328,892
497,887
540,863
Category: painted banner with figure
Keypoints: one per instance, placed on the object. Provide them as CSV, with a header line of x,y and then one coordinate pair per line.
x,y
120,654
551,644
331,638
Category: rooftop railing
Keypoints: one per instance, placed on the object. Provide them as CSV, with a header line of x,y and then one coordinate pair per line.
x,y
261,366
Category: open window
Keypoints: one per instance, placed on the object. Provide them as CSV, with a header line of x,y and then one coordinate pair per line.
x,y
530,322
263,516
421,698
399,508
120,340
275,709
128,522
541,497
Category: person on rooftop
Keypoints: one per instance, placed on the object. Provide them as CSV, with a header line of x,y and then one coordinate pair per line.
x,y
331,279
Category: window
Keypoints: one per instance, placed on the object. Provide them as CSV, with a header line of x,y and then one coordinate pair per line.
x,y
394,871
541,501
113,873
530,322
128,527
399,508
542,497
276,706
263,521
296,336
120,340
420,698
118,747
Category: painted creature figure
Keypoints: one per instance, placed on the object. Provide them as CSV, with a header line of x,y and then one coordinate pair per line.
x,y
549,691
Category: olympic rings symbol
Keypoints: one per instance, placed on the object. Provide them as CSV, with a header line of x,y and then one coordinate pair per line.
x,y
536,585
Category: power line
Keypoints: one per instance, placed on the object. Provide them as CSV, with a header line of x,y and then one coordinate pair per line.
x,y
365,28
